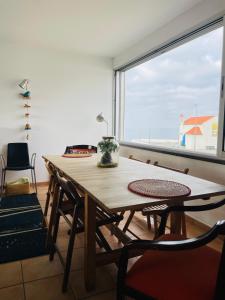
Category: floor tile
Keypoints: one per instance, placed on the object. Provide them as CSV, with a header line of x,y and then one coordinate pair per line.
x,y
63,239
11,274
41,267
47,289
15,292
62,242
104,283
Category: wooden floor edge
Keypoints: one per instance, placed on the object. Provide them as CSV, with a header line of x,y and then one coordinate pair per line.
x,y
200,224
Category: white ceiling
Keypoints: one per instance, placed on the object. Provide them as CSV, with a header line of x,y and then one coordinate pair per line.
x,y
99,27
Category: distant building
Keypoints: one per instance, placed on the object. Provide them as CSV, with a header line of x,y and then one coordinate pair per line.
x,y
198,133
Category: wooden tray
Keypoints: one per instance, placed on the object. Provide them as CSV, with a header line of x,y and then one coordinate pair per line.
x,y
156,188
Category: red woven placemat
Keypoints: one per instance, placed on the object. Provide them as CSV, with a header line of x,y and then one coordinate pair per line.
x,y
76,155
157,188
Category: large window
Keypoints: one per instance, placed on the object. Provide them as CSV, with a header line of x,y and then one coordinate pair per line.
x,y
173,99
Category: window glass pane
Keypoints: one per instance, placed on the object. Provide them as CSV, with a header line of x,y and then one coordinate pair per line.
x,y
173,99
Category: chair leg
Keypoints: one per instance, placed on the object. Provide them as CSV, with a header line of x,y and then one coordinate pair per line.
x,y
32,178
183,225
48,196
155,222
53,213
132,212
3,181
103,240
54,236
98,241
121,215
35,181
149,222
69,253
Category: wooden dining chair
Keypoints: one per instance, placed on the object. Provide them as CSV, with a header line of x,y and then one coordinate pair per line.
x,y
132,212
177,268
70,203
148,161
184,171
155,211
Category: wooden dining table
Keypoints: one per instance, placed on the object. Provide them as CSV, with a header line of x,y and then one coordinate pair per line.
x,y
108,189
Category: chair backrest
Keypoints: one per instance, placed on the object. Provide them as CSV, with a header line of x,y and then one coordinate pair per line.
x,y
80,148
50,168
185,208
68,188
133,158
185,171
18,155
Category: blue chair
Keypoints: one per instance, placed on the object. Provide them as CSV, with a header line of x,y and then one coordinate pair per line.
x,y
18,160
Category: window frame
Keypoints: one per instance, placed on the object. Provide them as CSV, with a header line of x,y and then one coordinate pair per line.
x,y
119,96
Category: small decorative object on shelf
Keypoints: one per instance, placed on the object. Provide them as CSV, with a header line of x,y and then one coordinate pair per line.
x,y
108,152
26,97
27,127
25,94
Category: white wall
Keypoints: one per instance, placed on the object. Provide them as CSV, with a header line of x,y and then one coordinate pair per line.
x,y
67,91
196,16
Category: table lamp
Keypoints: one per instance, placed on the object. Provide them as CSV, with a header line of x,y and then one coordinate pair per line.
x,y
100,118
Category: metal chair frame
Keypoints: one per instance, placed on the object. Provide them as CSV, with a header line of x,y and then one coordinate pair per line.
x,y
31,167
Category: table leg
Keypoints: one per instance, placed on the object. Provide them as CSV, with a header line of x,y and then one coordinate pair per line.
x,y
175,220
89,245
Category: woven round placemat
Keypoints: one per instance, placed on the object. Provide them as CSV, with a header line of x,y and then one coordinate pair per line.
x,y
76,155
157,188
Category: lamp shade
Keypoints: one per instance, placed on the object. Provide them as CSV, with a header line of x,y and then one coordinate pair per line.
x,y
23,84
100,118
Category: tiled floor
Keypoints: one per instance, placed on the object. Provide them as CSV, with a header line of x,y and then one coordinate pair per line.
x,y
39,279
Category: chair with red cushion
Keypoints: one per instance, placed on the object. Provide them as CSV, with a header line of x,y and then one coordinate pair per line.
x,y
178,269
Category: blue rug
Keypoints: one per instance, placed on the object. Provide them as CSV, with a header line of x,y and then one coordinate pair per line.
x,y
22,230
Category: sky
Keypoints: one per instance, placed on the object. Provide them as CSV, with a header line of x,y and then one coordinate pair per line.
x,y
183,81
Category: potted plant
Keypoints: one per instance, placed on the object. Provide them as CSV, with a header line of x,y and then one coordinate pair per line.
x,y
108,152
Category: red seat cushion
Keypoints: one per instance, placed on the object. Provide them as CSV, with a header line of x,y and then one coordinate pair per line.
x,y
176,275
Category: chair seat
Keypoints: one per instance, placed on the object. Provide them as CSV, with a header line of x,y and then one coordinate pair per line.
x,y
154,209
28,167
176,275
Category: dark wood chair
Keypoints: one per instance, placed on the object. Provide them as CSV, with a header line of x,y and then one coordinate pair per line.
x,y
18,160
173,268
155,211
148,161
85,148
70,203
51,186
